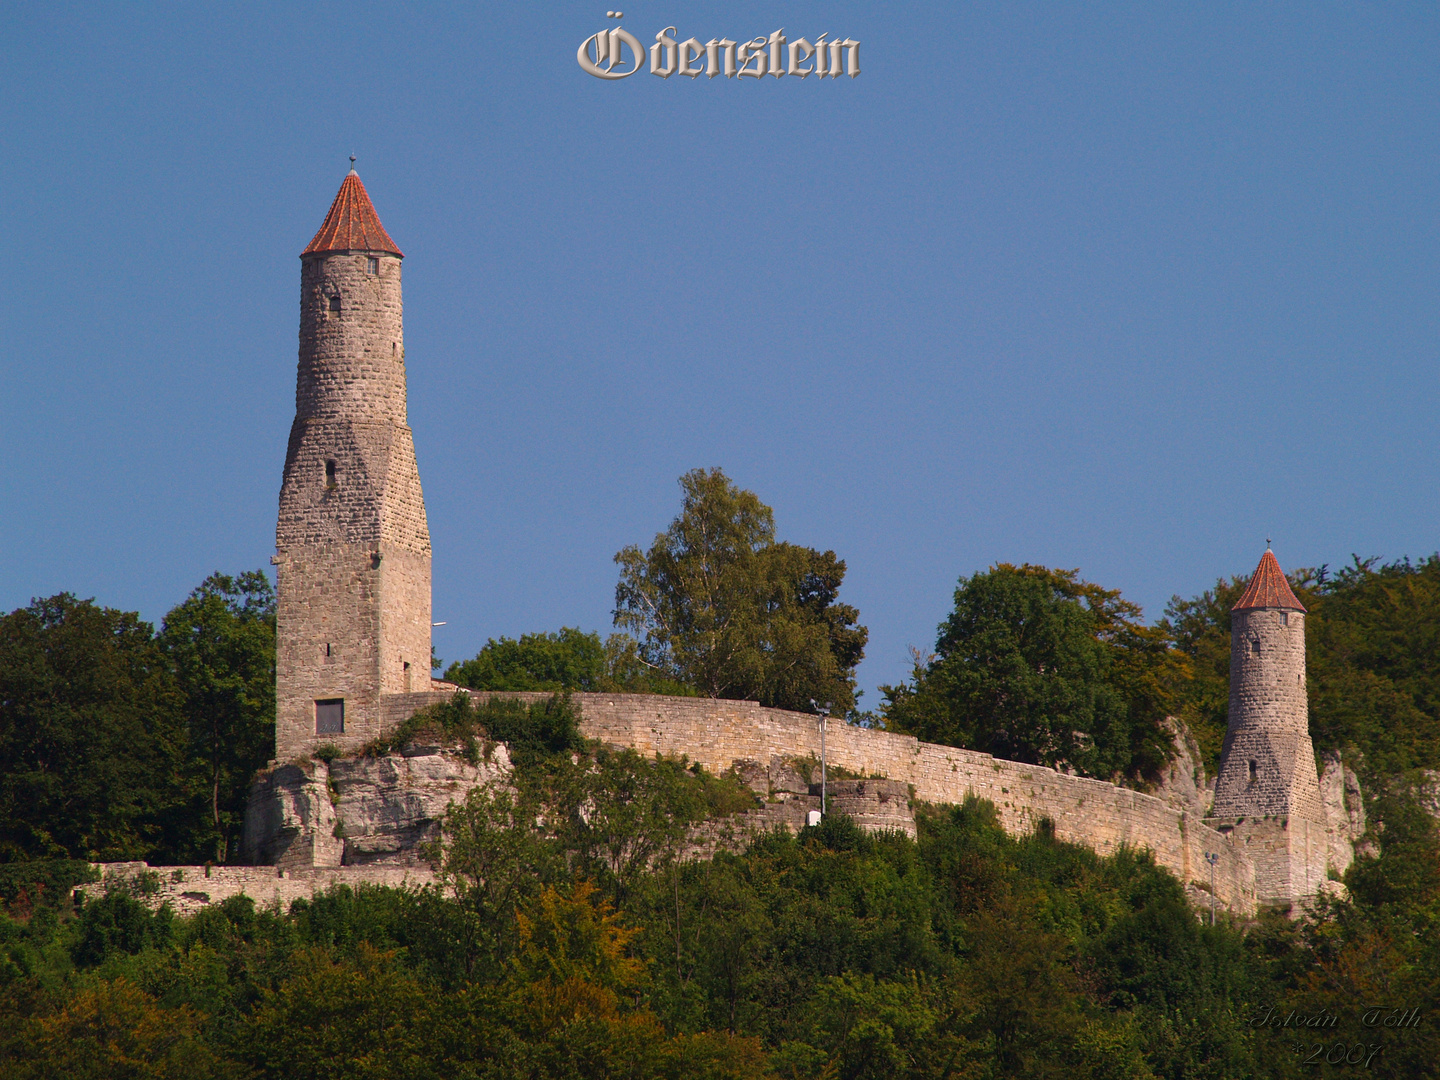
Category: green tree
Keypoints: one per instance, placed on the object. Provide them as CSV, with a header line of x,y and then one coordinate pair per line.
x,y
365,1018
495,856
221,643
720,605
92,737
1036,665
568,660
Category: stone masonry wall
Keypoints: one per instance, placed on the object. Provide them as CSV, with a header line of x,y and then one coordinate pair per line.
x,y
327,637
352,541
1268,721
404,620
1099,815
189,889
352,360
1267,794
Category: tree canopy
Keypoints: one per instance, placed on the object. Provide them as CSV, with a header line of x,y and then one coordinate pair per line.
x,y
558,947
718,604
221,645
571,659
1037,665
120,743
91,734
568,660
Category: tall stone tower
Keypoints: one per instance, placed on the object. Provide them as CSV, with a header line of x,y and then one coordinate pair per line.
x,y
1267,795
352,544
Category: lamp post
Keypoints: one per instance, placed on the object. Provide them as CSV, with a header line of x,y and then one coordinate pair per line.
x,y
1212,857
824,711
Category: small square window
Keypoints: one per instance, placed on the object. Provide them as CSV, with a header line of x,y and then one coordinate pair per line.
x,y
335,303
330,716
372,265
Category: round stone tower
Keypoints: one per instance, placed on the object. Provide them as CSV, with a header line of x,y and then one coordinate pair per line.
x,y
352,543
1268,788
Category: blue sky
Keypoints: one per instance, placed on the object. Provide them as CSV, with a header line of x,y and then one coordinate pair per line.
x,y
1127,288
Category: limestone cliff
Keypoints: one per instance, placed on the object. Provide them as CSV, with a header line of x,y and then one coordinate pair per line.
x,y
359,810
1344,810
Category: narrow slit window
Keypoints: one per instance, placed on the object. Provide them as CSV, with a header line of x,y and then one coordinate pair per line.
x,y
330,473
330,716
335,303
1284,618
372,265
1255,647
1254,772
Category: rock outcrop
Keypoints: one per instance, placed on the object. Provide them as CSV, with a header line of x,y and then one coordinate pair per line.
x,y
1182,781
359,810
1344,810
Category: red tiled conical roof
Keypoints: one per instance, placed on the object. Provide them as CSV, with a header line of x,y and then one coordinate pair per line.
x,y
352,224
1268,587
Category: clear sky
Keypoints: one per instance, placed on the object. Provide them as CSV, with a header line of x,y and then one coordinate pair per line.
x,y
1127,288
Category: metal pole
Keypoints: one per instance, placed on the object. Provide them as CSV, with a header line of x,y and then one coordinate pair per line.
x,y
824,711
1212,857
822,717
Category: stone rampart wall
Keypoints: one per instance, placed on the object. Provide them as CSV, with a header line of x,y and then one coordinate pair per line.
x,y
1099,815
188,889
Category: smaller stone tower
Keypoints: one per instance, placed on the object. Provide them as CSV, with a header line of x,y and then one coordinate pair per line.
x,y
352,544
1267,795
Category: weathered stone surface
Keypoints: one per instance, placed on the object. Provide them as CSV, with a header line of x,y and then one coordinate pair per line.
x,y
189,889
1344,810
359,810
874,805
1182,781
785,778
290,818
388,806
1428,789
754,776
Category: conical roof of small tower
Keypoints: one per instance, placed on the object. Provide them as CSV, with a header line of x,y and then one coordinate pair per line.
x,y
352,224
1268,587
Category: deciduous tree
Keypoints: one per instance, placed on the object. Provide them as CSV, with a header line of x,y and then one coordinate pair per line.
x,y
720,605
221,644
1037,665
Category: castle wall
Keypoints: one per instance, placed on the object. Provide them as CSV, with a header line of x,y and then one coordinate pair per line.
x,y
190,889
1291,856
1096,814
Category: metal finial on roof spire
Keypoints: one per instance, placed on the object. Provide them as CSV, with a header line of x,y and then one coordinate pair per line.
x,y
352,164
1267,539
